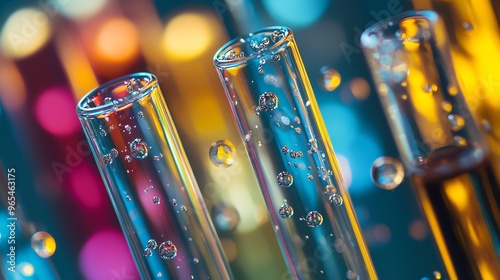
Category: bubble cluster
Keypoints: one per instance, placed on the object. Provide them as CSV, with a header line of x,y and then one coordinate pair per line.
x,y
284,149
284,179
314,219
139,149
167,250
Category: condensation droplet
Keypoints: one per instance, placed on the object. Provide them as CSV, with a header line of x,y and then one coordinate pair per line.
x,y
314,219
184,208
156,200
336,199
285,211
284,179
139,149
43,243
167,250
268,101
387,172
460,141
222,153
457,122
127,197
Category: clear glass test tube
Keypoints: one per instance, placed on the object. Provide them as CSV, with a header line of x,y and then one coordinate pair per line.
x,y
150,182
441,146
273,105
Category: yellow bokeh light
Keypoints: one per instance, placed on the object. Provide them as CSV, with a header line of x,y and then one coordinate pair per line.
x,y
360,88
117,41
27,269
43,243
330,79
187,36
24,32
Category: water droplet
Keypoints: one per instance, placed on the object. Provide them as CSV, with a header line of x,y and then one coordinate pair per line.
x,y
447,106
457,122
276,57
309,177
222,153
107,159
148,252
107,100
138,149
284,149
286,211
230,55
140,114
102,132
195,260
167,250
248,136
284,179
184,208
113,153
298,130
128,158
306,237
336,199
156,200
460,141
174,202
351,275
260,70
268,101
128,128
387,172
265,41
43,243
467,26
314,219
127,197
293,154
254,46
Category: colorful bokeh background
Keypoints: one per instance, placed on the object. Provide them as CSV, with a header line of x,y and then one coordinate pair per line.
x,y
52,52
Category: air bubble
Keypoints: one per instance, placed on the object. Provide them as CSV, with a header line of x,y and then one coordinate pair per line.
x,y
387,172
268,101
148,252
174,202
284,179
128,158
222,153
156,200
276,57
336,199
167,250
309,177
140,114
113,153
184,208
128,128
195,260
102,132
107,159
284,149
457,122
127,197
298,130
314,219
158,157
138,149
152,244
43,243
265,41
285,211
230,55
